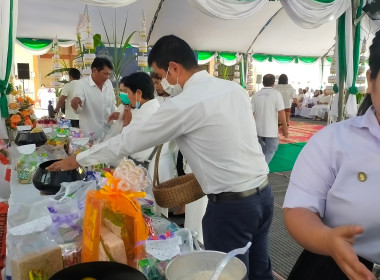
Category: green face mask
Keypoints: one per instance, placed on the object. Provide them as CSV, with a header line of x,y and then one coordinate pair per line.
x,y
124,98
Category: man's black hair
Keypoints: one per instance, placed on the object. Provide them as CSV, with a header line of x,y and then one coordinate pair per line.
x,y
171,48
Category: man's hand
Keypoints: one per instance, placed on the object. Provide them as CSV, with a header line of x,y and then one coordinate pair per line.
x,y
285,132
127,116
68,163
299,107
340,241
114,116
76,102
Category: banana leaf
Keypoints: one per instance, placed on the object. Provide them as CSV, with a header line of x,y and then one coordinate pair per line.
x,y
58,70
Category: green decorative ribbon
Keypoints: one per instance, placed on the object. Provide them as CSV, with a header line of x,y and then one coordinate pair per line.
x,y
353,90
4,87
335,88
4,83
284,58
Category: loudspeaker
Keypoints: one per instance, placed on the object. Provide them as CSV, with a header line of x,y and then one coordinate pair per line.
x,y
23,71
259,79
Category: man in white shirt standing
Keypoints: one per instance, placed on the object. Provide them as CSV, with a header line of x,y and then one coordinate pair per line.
x,y
211,120
268,109
95,99
67,95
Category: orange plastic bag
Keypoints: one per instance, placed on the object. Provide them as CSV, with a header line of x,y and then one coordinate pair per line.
x,y
113,225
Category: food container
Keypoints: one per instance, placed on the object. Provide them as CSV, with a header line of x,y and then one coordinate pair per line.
x,y
26,138
99,271
192,266
49,182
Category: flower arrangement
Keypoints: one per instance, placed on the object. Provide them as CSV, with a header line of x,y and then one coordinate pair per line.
x,y
21,113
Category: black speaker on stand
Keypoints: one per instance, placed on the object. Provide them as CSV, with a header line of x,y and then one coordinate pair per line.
x,y
23,74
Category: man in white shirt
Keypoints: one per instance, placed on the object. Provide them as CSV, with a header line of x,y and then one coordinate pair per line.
x,y
162,95
95,99
268,109
211,119
67,94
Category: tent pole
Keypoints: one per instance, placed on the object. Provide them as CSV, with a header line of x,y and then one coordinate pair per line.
x,y
262,29
341,100
155,17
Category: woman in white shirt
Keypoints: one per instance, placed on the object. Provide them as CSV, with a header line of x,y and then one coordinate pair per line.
x,y
333,211
288,93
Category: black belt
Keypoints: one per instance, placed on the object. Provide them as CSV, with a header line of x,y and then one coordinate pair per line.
x,y
229,196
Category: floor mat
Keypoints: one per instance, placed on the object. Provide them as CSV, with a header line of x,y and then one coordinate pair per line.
x,y
299,132
285,157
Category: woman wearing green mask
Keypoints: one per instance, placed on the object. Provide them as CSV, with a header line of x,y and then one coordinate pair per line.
x,y
138,103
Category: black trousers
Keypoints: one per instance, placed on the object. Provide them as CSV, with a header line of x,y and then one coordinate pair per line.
x,y
310,266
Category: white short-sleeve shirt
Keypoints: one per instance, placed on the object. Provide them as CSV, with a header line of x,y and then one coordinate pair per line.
x,y
337,175
97,106
287,93
265,105
68,90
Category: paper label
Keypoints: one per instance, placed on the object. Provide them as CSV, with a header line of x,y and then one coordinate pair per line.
x,y
164,249
36,225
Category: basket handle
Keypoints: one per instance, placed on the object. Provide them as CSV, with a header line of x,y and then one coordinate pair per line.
x,y
155,174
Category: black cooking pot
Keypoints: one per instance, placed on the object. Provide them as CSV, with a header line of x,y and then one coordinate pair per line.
x,y
99,271
25,138
49,182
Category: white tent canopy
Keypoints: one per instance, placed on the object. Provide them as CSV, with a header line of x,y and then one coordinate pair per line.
x,y
46,19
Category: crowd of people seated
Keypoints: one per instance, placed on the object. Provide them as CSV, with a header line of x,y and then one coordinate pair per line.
x,y
314,104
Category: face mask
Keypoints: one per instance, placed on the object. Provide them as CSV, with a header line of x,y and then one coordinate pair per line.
x,y
138,104
124,98
173,90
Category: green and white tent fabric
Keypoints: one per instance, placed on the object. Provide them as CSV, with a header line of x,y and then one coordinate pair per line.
x,y
283,31
8,25
41,46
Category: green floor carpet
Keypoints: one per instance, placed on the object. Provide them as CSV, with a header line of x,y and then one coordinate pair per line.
x,y
285,157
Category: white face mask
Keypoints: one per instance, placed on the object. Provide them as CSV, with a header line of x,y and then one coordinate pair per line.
x,y
173,90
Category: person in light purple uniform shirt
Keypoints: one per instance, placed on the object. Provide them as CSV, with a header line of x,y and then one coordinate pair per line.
x,y
332,205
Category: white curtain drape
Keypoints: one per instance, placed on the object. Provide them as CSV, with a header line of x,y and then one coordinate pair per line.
x,y
351,108
228,62
109,3
311,14
44,50
228,9
5,16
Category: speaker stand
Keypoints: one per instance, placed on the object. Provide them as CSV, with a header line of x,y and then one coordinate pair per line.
x,y
23,88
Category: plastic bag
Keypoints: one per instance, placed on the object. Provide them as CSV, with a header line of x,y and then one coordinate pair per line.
x,y
113,226
34,253
30,247
67,211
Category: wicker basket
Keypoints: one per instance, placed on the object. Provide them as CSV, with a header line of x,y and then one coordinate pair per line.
x,y
177,191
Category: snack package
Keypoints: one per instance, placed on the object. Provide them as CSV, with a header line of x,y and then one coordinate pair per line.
x,y
77,145
34,254
113,226
3,232
30,247
27,164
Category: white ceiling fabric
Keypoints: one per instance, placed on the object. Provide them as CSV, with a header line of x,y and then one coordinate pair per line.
x,y
46,19
109,3
311,14
227,9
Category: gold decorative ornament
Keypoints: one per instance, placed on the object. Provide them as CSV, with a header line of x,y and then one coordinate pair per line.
x,y
362,176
